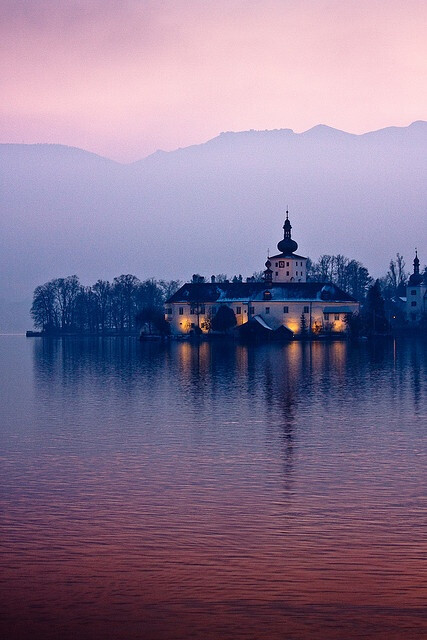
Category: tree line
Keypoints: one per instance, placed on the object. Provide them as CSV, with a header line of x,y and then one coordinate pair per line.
x,y
63,305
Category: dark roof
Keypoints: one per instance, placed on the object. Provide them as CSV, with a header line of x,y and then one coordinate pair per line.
x,y
240,291
287,255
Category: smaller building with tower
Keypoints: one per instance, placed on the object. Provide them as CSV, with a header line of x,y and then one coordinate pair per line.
x,y
282,305
416,294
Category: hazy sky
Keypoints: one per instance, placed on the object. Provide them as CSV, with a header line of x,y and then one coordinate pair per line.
x,y
124,78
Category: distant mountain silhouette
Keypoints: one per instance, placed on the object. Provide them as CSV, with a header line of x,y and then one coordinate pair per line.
x,y
209,208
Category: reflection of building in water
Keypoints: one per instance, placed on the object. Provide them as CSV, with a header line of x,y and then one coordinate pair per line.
x,y
283,304
416,294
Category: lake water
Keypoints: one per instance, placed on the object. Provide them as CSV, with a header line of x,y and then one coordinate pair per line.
x,y
212,491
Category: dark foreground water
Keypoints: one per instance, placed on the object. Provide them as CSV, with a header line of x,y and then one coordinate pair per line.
x,y
219,491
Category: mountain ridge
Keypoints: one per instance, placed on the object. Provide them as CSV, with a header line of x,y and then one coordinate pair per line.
x,y
246,133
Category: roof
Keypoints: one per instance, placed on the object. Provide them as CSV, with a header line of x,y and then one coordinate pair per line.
x,y
229,292
262,322
287,255
258,325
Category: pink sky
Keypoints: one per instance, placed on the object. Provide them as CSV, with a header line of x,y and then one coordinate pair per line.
x,y
124,78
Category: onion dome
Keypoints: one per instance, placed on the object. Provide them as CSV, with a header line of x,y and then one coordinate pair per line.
x,y
416,278
287,245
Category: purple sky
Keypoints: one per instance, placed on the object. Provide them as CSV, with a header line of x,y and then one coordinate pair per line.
x,y
126,78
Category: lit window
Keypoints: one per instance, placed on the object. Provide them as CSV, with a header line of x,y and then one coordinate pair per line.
x,y
267,309
337,316
306,310
238,310
285,309
181,311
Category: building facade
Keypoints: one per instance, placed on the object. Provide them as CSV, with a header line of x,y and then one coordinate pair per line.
x,y
284,302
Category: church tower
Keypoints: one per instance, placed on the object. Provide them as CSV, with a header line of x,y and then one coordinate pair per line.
x,y
287,266
416,294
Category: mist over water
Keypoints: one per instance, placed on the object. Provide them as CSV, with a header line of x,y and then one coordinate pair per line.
x,y
213,490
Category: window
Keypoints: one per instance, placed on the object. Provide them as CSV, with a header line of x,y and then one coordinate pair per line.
x,y
413,303
267,309
181,311
413,292
287,273
238,310
251,309
326,316
277,273
202,325
285,309
169,311
281,264
306,310
267,295
277,264
287,264
296,273
202,309
337,316
193,311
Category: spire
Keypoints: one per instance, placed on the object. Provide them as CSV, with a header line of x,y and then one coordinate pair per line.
x,y
287,245
416,278
416,263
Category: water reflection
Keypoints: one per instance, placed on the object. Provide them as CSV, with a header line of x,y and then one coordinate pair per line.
x,y
212,490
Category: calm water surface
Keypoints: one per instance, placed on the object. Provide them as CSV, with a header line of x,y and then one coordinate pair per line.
x,y
212,491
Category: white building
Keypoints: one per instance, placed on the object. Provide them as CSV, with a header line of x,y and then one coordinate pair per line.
x,y
283,304
416,294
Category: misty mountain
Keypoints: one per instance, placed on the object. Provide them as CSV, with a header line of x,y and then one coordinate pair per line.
x,y
213,207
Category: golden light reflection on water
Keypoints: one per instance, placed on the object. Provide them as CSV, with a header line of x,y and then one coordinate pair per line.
x,y
212,490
